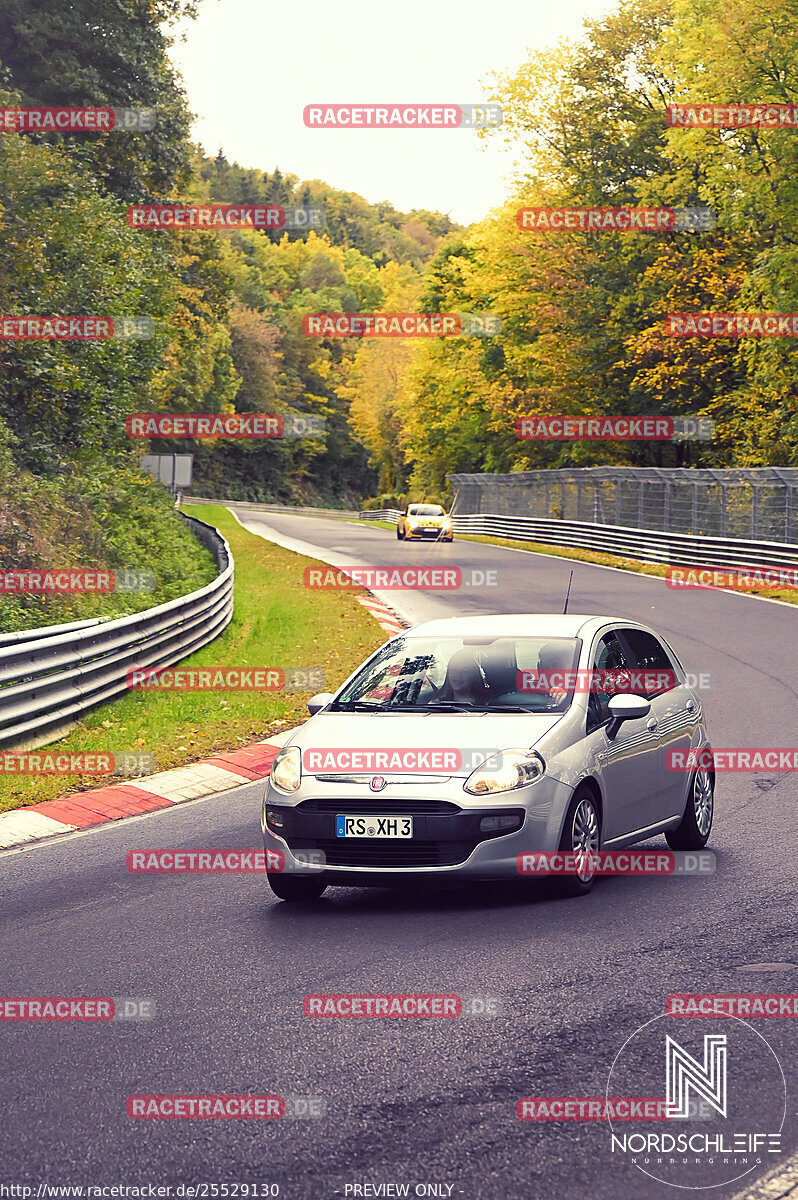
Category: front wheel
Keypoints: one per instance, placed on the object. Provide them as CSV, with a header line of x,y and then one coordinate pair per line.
x,y
400,537
581,835
693,831
295,887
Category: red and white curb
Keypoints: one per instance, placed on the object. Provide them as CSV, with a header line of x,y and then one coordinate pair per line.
x,y
80,810
385,616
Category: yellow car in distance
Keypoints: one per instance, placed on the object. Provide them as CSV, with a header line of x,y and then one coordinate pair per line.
x,y
424,522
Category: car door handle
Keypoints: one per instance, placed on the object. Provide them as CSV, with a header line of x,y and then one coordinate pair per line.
x,y
652,724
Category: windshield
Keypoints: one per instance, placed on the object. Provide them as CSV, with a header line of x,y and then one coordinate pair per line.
x,y
425,510
484,674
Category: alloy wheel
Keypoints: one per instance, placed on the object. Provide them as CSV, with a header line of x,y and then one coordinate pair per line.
x,y
703,802
585,834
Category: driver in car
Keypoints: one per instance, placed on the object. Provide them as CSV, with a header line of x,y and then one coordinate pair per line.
x,y
464,680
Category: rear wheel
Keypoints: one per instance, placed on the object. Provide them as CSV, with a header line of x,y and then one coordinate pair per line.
x,y
295,887
693,832
581,835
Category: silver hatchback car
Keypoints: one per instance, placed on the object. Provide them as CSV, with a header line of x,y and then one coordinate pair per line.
x,y
462,744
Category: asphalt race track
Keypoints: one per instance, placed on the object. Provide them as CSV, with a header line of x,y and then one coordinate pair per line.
x,y
409,1101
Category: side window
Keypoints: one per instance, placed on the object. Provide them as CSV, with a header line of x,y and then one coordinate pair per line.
x,y
607,656
648,658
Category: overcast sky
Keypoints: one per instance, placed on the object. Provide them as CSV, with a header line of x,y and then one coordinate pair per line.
x,y
251,66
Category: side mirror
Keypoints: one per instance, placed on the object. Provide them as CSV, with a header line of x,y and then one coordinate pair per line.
x,y
319,701
626,708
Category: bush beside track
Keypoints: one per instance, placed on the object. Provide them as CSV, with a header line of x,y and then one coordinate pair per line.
x,y
276,623
109,522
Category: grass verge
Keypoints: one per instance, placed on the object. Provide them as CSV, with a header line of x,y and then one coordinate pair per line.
x,y
787,595
276,623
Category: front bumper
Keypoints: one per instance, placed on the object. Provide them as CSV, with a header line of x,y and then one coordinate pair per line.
x,y
434,534
447,843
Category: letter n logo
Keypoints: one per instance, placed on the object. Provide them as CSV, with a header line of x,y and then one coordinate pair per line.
x,y
683,1072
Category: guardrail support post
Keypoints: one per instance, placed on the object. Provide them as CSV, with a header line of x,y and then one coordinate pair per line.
x,y
788,514
694,512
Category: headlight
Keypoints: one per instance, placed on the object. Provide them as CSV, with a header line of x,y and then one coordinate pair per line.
x,y
505,771
410,523
286,774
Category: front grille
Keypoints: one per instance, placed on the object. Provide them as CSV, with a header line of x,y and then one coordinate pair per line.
x,y
370,853
376,805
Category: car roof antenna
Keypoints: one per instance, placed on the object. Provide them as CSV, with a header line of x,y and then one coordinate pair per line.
x,y
567,594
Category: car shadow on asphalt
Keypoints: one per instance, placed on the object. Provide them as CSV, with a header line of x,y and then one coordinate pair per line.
x,y
489,896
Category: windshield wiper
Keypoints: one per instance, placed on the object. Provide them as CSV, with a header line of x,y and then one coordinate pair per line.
x,y
453,706
513,708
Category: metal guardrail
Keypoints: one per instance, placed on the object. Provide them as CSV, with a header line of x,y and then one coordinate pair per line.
x,y
642,544
50,676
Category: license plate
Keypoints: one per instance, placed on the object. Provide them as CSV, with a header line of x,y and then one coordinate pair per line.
x,y
374,827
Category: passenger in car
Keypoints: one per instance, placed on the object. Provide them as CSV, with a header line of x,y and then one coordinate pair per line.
x,y
555,659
